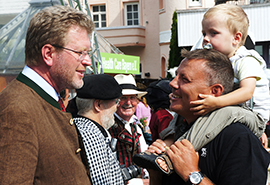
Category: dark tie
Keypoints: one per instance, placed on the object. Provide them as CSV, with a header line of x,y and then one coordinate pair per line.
x,y
61,105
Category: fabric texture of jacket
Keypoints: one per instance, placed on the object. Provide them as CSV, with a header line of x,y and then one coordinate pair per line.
x,y
38,142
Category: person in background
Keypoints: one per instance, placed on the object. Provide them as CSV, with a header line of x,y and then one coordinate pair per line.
x,y
129,135
97,102
39,143
143,113
225,28
158,98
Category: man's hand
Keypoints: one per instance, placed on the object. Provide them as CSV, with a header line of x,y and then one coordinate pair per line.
x,y
158,147
264,140
145,181
184,158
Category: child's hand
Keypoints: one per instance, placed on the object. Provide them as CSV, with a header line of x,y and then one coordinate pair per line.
x,y
207,104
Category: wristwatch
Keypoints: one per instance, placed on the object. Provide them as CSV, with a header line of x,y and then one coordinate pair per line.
x,y
195,178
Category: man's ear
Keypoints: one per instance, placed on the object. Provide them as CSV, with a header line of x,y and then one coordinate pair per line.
x,y
237,38
47,52
97,105
217,89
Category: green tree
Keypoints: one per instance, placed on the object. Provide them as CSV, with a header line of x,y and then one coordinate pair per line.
x,y
175,51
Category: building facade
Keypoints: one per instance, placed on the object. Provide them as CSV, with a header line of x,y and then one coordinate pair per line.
x,y
143,27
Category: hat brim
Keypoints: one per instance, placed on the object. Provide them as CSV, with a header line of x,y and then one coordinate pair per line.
x,y
133,91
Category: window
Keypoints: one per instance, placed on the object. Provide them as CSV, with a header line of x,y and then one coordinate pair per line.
x,y
163,67
195,3
263,48
131,14
259,49
99,15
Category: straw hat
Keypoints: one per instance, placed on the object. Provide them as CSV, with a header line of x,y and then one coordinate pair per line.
x,y
128,84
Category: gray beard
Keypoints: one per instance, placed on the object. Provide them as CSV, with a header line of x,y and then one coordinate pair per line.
x,y
107,119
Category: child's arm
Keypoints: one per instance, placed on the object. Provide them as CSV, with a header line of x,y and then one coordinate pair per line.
x,y
209,103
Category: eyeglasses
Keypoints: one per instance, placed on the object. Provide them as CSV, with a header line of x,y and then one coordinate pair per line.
x,y
117,101
131,98
82,53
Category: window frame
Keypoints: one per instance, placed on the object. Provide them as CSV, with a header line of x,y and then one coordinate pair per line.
x,y
196,3
126,16
99,14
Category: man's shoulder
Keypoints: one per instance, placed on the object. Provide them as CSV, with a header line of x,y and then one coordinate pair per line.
x,y
236,132
19,95
234,149
85,125
162,112
13,88
235,128
117,122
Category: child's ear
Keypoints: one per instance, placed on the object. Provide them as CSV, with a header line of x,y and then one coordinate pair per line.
x,y
237,38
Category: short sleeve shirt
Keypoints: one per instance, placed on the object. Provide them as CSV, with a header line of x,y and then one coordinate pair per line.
x,y
247,67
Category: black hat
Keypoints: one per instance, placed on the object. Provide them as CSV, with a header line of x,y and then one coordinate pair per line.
x,y
99,86
158,94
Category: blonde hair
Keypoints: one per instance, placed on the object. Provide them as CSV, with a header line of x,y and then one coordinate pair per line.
x,y
144,101
237,20
50,26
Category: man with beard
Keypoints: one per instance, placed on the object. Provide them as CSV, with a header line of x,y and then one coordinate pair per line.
x,y
126,130
38,140
97,101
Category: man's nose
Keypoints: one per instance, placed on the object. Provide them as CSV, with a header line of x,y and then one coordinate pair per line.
x,y
87,61
173,83
128,101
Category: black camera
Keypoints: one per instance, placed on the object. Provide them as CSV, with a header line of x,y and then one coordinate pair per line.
x,y
130,172
127,172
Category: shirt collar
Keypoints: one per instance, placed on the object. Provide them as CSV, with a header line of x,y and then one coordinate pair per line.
x,y
126,123
41,82
132,119
121,119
